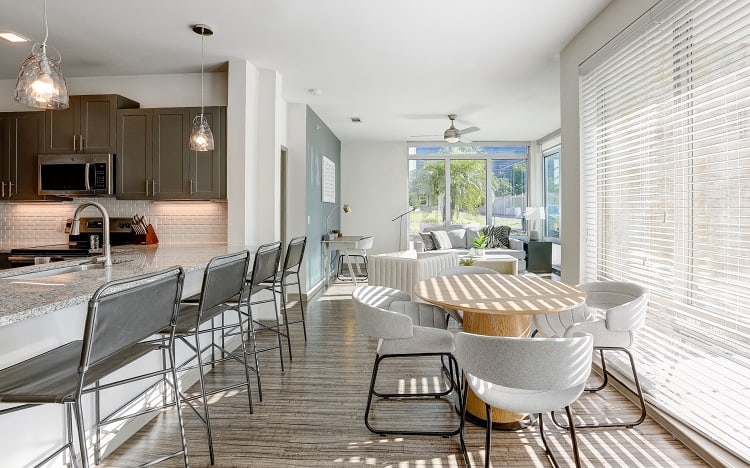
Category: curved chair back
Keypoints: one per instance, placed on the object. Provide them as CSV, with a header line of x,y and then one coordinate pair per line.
x,y
265,265
373,317
124,312
467,270
224,279
555,324
535,364
365,243
294,253
623,303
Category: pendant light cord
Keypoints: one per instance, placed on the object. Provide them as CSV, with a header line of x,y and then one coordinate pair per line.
x,y
46,28
203,32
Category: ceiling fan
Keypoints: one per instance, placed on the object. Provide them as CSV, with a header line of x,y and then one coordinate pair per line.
x,y
452,134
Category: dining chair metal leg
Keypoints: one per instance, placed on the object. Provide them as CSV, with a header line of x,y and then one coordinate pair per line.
x,y
487,435
285,316
176,391
244,358
461,437
206,415
254,352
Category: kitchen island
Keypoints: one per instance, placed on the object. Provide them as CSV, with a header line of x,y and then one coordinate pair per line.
x,y
41,312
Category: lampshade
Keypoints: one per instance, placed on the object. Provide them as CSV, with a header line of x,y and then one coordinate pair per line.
x,y
40,81
535,212
201,136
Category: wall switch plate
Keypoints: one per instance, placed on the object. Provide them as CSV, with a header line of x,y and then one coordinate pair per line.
x,y
308,220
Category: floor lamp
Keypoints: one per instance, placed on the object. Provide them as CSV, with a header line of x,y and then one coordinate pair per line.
x,y
400,223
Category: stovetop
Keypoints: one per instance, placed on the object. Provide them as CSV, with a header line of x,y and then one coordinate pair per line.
x,y
68,250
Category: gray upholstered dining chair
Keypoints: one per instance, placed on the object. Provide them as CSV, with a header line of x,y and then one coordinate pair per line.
x,y
404,329
612,313
523,375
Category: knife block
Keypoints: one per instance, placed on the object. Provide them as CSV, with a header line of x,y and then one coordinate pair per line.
x,y
149,238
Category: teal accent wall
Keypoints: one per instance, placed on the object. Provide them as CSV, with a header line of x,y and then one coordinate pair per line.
x,y
320,142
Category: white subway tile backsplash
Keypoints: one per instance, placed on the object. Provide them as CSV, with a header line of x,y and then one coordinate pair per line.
x,y
184,222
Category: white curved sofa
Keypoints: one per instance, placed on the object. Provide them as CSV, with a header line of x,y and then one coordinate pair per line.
x,y
403,270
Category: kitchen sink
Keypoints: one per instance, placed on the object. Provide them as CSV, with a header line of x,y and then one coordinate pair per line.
x,y
58,271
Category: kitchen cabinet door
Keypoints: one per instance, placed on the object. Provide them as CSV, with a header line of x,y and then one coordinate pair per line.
x,y
87,126
27,132
134,158
22,139
5,119
171,154
207,167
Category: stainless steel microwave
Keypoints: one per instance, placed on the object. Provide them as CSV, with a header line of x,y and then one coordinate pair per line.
x,y
76,174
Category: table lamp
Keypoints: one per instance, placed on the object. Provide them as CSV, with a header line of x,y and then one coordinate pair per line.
x,y
534,214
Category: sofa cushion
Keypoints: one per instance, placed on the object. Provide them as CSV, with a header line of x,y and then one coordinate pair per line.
x,y
471,234
458,238
429,244
441,240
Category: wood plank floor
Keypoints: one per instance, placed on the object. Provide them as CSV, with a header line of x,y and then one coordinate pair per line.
x,y
312,414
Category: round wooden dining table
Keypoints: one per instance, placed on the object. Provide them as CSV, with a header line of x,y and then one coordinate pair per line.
x,y
498,305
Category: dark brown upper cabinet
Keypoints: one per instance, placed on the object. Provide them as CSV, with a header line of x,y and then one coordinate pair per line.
x,y
87,126
22,139
154,161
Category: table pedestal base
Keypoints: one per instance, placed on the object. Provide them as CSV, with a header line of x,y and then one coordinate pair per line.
x,y
525,421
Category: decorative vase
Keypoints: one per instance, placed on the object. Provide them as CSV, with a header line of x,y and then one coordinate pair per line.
x,y
480,252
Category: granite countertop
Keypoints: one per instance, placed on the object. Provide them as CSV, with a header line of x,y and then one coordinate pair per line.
x,y
25,298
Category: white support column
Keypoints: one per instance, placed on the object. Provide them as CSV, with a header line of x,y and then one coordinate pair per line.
x,y
242,153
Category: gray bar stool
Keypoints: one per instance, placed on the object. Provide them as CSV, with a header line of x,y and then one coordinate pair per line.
x,y
122,316
223,286
295,251
263,277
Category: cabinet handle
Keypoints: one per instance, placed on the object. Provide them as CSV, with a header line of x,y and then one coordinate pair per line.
x,y
146,187
3,196
10,188
74,143
191,186
153,187
80,143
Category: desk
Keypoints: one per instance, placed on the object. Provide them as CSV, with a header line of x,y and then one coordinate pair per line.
x,y
343,243
498,305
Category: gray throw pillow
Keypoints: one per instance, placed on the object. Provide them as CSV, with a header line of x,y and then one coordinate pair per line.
x,y
427,239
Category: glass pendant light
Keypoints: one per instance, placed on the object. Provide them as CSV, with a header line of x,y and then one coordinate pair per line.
x,y
40,81
201,136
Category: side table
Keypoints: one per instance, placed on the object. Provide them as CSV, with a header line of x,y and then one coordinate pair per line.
x,y
538,256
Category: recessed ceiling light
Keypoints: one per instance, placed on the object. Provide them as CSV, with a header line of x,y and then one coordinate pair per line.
x,y
356,119
13,37
315,91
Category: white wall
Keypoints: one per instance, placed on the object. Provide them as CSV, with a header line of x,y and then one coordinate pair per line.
x,y
616,17
176,90
375,183
296,181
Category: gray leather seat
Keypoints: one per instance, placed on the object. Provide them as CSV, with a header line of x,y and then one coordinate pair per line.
x,y
122,318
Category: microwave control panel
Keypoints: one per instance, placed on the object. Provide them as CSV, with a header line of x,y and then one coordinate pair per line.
x,y
98,176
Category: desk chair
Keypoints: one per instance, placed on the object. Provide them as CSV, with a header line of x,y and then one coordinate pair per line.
x,y
400,335
612,313
122,316
362,245
524,375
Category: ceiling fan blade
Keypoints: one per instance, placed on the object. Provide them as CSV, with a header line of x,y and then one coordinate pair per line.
x,y
424,136
464,140
469,130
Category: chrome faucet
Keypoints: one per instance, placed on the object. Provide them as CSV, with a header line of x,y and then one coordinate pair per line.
x,y
75,229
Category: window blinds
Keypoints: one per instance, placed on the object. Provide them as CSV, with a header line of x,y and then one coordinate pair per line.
x,y
665,128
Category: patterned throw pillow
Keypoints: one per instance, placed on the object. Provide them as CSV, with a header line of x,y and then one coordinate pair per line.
x,y
427,239
441,239
497,236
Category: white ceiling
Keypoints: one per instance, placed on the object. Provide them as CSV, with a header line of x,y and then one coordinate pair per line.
x,y
399,65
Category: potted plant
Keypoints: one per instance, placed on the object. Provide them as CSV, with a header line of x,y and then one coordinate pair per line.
x,y
466,261
480,243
